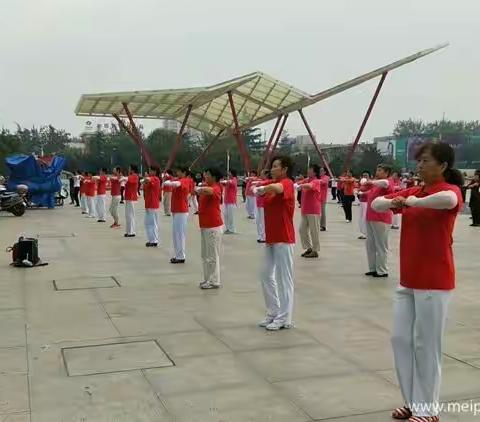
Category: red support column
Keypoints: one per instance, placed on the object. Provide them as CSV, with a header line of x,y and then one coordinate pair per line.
x,y
277,139
365,120
137,137
312,137
176,146
238,135
261,164
204,152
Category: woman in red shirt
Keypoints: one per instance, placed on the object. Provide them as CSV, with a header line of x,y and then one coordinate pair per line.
x,y
277,276
211,227
427,277
131,196
348,197
230,201
115,192
152,196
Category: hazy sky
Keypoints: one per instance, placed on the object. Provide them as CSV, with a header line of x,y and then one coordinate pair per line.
x,y
52,51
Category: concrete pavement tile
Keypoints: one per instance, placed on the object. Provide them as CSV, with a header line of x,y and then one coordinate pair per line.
x,y
200,343
13,360
13,393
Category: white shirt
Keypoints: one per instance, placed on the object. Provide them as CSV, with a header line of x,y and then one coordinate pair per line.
x,y
76,181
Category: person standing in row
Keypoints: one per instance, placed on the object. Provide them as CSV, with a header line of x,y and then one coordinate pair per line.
x,y
277,275
311,209
348,197
192,197
122,189
364,187
76,188
427,278
397,186
230,201
211,227
378,224
131,197
180,189
152,196
474,187
71,189
324,182
260,203
90,192
83,194
101,195
333,184
340,190
115,192
167,193
250,203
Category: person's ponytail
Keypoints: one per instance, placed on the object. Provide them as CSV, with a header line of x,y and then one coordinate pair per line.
x,y
454,177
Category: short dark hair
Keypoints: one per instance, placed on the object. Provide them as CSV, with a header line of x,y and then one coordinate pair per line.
x,y
233,172
183,169
215,173
104,169
119,169
315,168
285,162
366,171
134,168
442,153
387,168
254,172
156,169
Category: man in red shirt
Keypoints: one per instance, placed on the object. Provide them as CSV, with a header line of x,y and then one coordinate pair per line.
x,y
230,201
378,224
167,193
180,191
90,192
115,192
324,181
131,196
277,276
250,203
211,227
311,209
101,181
152,196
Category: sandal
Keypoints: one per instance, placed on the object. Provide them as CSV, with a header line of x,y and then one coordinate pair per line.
x,y
424,419
402,413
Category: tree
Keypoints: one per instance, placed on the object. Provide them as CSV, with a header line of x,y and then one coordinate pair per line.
x,y
410,127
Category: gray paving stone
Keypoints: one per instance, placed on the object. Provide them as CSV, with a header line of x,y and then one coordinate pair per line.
x,y
13,393
13,360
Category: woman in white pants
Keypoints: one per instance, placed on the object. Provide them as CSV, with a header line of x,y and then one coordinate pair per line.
x,y
260,203
211,228
180,191
131,197
230,201
250,202
277,275
427,277
151,192
101,195
115,192
362,198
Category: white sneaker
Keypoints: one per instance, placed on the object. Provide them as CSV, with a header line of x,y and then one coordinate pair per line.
x,y
277,325
265,322
206,286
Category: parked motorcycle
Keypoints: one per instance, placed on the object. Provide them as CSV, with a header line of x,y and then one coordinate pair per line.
x,y
12,201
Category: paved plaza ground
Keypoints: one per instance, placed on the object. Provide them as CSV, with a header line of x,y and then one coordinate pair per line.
x,y
111,331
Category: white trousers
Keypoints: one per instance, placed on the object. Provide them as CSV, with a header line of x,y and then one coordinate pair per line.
x,y
397,218
151,225
114,208
228,210
167,199
362,218
323,217
91,206
210,249
179,229
260,220
251,206
83,203
419,323
277,282
192,200
377,246
100,203
130,217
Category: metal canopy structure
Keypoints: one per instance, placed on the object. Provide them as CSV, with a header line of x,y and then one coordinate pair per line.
x,y
233,105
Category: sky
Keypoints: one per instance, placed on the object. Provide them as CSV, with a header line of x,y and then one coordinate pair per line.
x,y
52,51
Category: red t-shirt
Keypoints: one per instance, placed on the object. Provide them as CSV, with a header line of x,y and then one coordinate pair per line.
x,y
82,187
248,187
324,180
131,188
115,186
279,211
168,188
102,185
311,198
348,184
192,186
375,192
426,256
209,211
151,193
90,186
231,191
180,196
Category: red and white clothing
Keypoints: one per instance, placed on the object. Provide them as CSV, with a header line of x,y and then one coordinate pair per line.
x,y
277,275
260,214
179,206
90,193
250,203
363,188
83,196
397,217
427,276
324,181
152,195
115,191
230,202
167,194
211,228
311,210
101,195
192,198
131,196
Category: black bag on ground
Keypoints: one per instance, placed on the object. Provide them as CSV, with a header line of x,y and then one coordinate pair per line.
x,y
25,253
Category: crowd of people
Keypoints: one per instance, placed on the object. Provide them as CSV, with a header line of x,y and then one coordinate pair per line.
x,y
427,205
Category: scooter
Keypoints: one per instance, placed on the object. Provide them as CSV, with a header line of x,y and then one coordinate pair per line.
x,y
12,202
